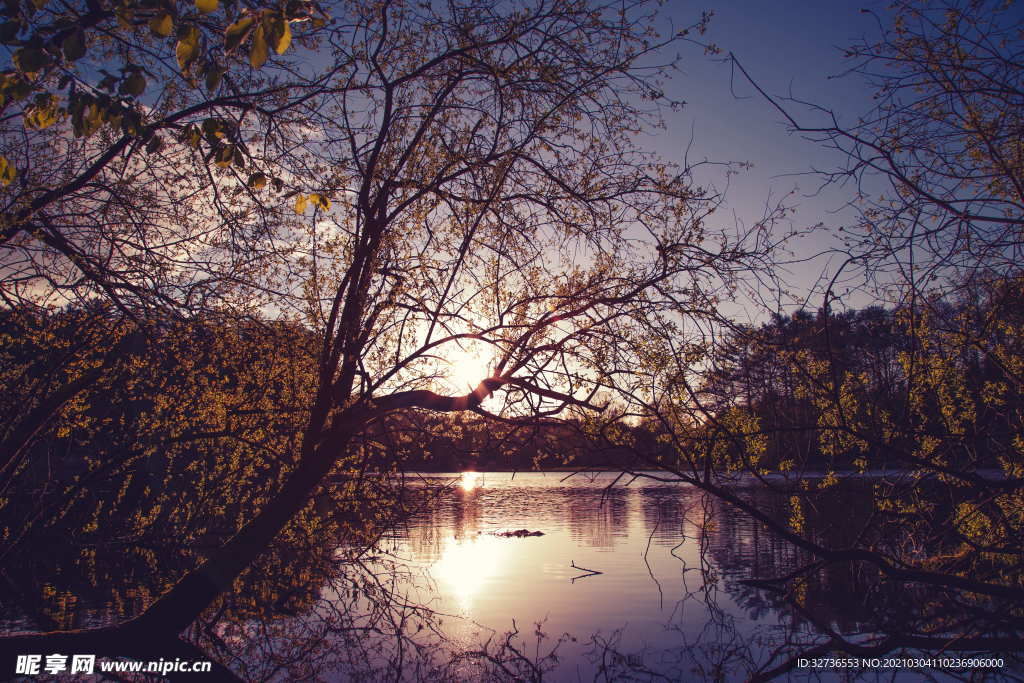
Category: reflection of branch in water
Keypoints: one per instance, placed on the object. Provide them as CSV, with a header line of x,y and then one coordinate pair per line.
x,y
504,660
774,584
591,572
661,596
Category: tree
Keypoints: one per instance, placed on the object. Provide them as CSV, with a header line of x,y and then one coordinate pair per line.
x,y
127,179
937,166
126,171
776,372
937,162
456,175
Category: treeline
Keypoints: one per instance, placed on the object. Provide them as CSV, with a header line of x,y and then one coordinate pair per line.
x,y
98,409
115,427
431,442
873,387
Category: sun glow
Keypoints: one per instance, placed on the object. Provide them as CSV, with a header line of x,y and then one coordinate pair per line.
x,y
470,480
466,369
467,565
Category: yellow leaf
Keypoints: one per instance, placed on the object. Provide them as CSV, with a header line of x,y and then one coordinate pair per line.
x,y
207,6
257,181
321,201
282,36
7,171
191,136
258,49
235,34
214,74
41,116
188,46
161,25
300,204
224,156
185,52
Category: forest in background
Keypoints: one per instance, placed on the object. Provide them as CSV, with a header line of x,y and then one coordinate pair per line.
x,y
222,390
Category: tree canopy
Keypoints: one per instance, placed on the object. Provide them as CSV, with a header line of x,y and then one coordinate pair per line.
x,y
407,183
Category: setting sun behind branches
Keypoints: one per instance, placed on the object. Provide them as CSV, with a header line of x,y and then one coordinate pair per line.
x,y
466,369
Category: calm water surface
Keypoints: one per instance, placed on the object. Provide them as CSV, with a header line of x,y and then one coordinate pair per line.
x,y
669,601
668,597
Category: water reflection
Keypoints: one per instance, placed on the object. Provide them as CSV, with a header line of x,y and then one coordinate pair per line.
x,y
671,598
466,565
470,480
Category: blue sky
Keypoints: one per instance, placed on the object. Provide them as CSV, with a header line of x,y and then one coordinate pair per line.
x,y
789,47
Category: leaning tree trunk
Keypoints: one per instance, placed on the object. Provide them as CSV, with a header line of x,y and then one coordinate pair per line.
x,y
154,633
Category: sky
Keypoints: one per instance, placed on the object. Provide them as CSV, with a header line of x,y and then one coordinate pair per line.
x,y
790,47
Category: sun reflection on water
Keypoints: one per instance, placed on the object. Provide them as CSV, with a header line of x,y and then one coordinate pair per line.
x,y
470,480
467,564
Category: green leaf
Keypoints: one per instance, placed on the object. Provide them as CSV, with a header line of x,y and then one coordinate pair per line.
x,y
133,85
301,203
74,45
257,181
107,83
207,6
162,25
7,171
258,50
235,34
9,31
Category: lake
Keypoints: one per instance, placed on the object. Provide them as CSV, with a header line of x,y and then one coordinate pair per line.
x,y
668,600
629,579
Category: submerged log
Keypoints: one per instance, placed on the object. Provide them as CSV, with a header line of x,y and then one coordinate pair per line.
x,y
519,533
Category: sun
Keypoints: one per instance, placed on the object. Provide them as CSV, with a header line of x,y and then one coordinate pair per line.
x,y
466,368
